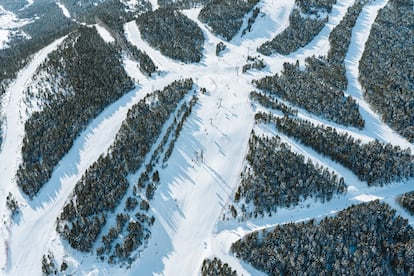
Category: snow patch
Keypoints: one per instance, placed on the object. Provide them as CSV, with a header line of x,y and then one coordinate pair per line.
x,y
352,189
29,3
64,9
132,69
104,34
366,198
131,5
374,127
154,4
8,22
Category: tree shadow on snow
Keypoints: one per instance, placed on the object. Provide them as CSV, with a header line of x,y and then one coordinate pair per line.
x,y
67,171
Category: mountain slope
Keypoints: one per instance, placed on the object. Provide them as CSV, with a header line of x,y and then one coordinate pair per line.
x,y
198,181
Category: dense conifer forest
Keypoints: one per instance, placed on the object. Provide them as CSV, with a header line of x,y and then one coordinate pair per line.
x,y
387,66
374,162
215,266
407,201
363,239
225,17
173,34
319,87
305,22
275,177
93,79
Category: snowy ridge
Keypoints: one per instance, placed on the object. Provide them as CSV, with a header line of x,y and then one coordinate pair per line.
x,y
194,194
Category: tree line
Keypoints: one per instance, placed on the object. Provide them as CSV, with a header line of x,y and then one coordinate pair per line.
x,y
386,69
319,87
253,63
305,22
225,17
367,239
374,162
92,74
275,177
105,183
268,101
173,34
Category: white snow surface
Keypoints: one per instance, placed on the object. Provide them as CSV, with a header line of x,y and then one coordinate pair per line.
x,y
8,22
194,195
104,33
10,158
366,198
64,9
154,4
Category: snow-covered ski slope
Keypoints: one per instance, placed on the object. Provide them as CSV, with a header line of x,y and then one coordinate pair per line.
x,y
194,194
10,155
